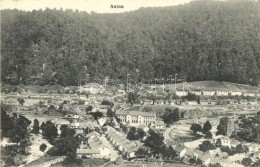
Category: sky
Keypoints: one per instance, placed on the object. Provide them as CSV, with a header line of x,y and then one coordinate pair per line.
x,y
98,6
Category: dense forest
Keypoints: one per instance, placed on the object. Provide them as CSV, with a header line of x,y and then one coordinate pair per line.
x,y
202,40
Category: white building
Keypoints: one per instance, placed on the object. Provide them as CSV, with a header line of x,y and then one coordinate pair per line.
x,y
225,141
250,94
181,93
236,93
208,93
136,118
221,93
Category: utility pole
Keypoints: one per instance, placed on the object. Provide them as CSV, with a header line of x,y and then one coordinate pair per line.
x,y
175,78
127,84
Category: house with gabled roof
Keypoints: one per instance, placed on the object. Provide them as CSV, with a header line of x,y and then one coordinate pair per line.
x,y
197,92
92,134
181,93
225,141
208,93
180,150
91,153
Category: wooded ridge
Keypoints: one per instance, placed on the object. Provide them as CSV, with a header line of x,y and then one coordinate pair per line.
x,y
202,40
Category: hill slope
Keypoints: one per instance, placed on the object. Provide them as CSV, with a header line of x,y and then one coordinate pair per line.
x,y
203,40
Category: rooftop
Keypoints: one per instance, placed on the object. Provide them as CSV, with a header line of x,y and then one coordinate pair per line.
x,y
87,151
136,113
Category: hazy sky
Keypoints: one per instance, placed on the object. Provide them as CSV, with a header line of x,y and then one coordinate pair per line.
x,y
99,6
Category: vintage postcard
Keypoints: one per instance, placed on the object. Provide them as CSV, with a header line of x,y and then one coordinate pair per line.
x,y
130,83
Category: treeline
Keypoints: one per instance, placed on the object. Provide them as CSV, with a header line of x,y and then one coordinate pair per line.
x,y
202,40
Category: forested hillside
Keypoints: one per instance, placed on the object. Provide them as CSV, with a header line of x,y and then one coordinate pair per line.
x,y
202,40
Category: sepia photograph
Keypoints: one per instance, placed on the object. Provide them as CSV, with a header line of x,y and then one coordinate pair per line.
x,y
130,83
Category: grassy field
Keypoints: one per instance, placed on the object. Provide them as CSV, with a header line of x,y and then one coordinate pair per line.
x,y
207,85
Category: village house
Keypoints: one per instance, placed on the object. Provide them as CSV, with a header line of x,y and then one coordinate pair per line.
x,y
192,103
208,93
181,93
250,94
59,121
160,102
121,143
197,154
213,102
221,93
145,102
252,102
178,102
135,118
225,141
79,108
88,153
180,150
92,135
235,93
196,92
237,158
159,123
253,147
96,144
204,102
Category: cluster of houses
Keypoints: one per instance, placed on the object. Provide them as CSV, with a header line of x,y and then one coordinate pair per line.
x,y
186,152
93,147
138,118
198,92
73,121
125,146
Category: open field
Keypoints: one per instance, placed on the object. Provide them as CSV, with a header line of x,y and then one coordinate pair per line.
x,y
206,85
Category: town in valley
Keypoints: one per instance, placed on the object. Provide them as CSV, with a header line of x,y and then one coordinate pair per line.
x,y
172,85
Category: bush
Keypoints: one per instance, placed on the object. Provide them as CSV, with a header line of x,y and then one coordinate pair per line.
x,y
246,161
43,147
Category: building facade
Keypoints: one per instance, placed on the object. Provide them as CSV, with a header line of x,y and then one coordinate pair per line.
x,y
136,118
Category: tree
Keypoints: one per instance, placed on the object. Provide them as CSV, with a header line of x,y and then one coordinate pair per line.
x,y
43,147
206,145
89,109
208,135
6,122
36,126
218,143
107,102
66,131
132,97
66,146
215,165
155,142
222,127
110,113
242,148
140,132
20,128
49,131
196,128
192,161
170,116
246,161
97,115
143,151
132,134
152,97
21,101
206,127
